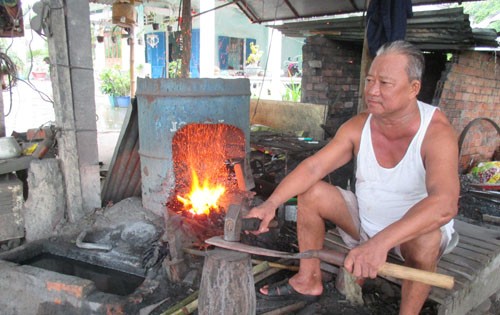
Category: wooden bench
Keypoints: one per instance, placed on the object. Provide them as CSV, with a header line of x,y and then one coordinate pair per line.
x,y
474,263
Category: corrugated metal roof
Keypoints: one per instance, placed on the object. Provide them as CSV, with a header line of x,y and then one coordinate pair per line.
x,y
434,30
259,11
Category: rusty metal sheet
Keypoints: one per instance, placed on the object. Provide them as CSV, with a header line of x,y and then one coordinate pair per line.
x,y
124,176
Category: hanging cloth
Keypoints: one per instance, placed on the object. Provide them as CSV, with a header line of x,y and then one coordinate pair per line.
x,y
386,22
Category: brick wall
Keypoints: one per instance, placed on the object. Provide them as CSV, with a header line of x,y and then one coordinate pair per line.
x,y
330,76
471,90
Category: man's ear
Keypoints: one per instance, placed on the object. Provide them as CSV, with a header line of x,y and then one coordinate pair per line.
x,y
415,86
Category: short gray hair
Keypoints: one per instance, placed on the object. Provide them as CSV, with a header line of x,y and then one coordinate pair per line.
x,y
416,61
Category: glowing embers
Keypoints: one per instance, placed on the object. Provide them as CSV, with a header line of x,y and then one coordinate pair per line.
x,y
204,177
202,199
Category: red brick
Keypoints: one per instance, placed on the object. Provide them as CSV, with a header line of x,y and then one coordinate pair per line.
x,y
36,134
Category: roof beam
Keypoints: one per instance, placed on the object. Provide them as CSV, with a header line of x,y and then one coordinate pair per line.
x,y
245,8
292,8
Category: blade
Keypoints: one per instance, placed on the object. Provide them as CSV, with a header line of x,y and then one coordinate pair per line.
x,y
240,247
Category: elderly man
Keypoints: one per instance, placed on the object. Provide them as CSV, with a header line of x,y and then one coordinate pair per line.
x,y
407,184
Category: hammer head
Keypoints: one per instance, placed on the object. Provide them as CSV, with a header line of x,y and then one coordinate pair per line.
x,y
233,222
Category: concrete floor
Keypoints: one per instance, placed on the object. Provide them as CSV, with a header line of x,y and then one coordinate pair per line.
x,y
29,106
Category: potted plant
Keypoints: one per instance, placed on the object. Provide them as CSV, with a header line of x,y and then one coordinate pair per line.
x,y
152,20
100,34
116,84
253,60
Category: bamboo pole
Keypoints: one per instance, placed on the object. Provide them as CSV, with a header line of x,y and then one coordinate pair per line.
x,y
186,304
287,309
276,265
188,309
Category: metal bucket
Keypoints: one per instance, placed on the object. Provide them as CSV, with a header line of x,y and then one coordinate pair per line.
x,y
164,106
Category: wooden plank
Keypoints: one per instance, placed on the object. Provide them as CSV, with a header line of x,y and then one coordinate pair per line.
x,y
462,261
470,255
454,269
477,249
485,283
460,279
290,116
477,232
484,243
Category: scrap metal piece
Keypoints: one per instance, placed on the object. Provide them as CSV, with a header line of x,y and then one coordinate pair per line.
x,y
81,244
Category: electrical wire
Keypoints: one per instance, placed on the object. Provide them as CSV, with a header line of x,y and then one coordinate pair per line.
x,y
14,77
43,96
9,70
267,59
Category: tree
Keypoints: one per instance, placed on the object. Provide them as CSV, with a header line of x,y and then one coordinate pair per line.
x,y
484,14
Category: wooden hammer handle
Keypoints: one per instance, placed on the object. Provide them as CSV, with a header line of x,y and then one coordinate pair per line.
x,y
407,273
388,269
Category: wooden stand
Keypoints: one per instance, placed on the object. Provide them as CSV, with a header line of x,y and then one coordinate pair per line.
x,y
227,284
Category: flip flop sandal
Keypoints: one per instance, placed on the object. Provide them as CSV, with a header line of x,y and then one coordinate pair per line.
x,y
282,291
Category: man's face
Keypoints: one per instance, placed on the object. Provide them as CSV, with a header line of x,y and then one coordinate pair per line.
x,y
387,87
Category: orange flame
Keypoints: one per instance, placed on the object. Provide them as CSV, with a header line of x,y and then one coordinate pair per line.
x,y
201,199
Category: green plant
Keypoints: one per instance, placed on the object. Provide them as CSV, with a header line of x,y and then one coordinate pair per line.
x,y
174,68
293,92
115,82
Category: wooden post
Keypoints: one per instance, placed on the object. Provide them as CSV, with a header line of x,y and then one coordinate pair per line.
x,y
186,38
366,60
227,284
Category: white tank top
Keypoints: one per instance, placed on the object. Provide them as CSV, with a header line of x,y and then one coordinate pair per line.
x,y
386,194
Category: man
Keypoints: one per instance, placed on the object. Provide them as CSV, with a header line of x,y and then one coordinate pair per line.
x,y
407,184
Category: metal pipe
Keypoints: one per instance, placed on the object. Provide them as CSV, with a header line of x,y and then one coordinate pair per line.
x,y
81,244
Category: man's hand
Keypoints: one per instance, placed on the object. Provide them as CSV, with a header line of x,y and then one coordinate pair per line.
x,y
265,212
365,260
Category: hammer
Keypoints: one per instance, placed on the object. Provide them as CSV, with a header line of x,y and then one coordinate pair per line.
x,y
235,223
337,258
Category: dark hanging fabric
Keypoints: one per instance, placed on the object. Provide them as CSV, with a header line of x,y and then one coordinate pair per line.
x,y
386,22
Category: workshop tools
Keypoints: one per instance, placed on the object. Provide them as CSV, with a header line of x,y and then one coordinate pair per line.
x,y
337,258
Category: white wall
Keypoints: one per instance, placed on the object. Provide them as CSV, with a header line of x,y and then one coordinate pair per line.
x,y
291,48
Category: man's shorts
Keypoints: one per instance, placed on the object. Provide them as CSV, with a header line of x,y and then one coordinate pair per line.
x,y
447,243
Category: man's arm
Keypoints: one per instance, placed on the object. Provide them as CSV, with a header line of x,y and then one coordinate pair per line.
x,y
336,153
440,156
